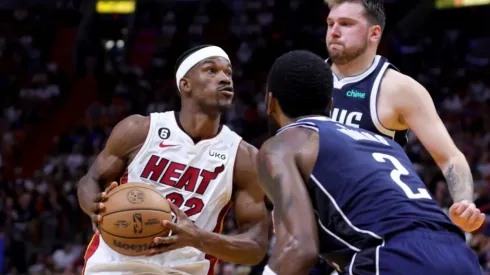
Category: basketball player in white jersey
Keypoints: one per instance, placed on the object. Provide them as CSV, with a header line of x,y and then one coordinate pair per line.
x,y
201,166
392,102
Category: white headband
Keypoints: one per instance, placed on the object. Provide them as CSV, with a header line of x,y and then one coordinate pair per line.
x,y
197,57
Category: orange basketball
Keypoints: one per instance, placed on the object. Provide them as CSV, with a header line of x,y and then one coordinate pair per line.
x,y
133,218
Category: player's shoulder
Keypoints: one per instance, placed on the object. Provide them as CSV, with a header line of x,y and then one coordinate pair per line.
x,y
398,81
131,124
245,169
401,87
246,155
290,141
298,145
129,132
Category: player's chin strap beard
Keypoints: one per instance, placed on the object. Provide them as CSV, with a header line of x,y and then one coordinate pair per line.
x,y
196,57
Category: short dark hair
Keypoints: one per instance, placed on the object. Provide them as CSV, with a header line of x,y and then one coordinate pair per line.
x,y
302,83
186,54
375,11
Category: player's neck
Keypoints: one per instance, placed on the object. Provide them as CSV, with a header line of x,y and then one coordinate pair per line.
x,y
354,67
199,125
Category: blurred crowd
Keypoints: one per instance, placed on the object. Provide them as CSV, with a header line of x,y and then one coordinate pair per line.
x,y
56,116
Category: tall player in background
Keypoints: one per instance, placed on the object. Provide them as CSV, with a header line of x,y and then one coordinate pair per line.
x,y
344,193
372,94
201,166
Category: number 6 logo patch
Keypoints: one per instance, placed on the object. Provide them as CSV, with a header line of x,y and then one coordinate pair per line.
x,y
164,133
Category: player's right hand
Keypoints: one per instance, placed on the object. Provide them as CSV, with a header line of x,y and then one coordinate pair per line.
x,y
98,206
466,215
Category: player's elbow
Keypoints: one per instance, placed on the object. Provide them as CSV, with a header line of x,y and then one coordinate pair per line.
x,y
308,256
304,250
81,186
260,251
257,257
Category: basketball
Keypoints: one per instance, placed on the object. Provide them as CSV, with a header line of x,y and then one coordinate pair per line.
x,y
132,218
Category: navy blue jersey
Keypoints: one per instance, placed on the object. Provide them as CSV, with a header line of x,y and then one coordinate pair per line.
x,y
364,190
355,100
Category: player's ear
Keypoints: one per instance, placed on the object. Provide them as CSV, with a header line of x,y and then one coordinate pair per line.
x,y
375,34
330,107
185,85
268,103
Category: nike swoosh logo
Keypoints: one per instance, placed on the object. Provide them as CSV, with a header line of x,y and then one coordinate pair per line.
x,y
163,145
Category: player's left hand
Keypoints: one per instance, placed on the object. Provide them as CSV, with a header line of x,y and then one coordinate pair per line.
x,y
184,233
466,215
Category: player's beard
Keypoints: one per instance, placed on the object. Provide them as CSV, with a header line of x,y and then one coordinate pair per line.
x,y
224,107
347,55
215,108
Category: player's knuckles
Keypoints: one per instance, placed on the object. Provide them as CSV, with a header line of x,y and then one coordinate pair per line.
x,y
164,240
97,207
110,187
467,213
94,219
97,199
472,219
460,209
103,196
474,216
480,219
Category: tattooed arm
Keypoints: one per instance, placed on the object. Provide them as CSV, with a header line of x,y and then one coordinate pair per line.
x,y
417,111
459,180
296,249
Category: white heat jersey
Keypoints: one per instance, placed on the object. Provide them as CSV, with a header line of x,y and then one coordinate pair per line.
x,y
197,177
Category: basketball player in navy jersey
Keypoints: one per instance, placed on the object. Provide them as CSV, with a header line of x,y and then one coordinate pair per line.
x,y
372,94
347,194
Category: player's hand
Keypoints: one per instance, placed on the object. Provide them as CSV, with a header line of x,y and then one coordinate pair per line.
x,y
98,206
465,215
184,233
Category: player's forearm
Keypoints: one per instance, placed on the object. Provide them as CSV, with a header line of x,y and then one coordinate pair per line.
x,y
458,177
239,249
88,188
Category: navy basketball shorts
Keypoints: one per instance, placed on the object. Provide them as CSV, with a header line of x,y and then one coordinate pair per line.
x,y
419,252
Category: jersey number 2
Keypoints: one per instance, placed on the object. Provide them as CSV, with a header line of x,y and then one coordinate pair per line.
x,y
397,173
195,204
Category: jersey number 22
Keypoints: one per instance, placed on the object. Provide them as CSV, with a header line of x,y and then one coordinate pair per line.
x,y
397,173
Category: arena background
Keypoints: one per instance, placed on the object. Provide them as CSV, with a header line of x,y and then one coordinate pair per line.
x,y
68,73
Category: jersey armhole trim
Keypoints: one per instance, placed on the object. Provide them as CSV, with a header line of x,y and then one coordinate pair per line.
x,y
234,157
373,102
307,125
147,142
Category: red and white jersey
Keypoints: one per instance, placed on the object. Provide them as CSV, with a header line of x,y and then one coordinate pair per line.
x,y
197,177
